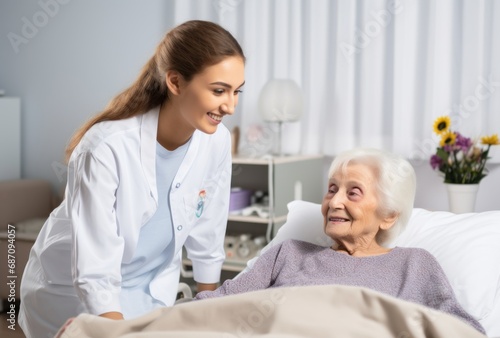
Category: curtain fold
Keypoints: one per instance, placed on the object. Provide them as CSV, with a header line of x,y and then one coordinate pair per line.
x,y
373,72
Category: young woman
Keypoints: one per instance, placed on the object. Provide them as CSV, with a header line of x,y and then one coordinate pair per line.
x,y
147,176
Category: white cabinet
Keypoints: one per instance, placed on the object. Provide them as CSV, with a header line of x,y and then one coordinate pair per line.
x,y
284,178
10,138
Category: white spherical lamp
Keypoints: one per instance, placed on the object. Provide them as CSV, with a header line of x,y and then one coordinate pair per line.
x,y
281,101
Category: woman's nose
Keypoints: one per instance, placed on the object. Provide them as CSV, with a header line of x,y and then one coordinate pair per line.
x,y
337,200
228,106
227,109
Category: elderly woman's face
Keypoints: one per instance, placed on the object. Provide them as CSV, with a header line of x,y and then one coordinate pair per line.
x,y
350,205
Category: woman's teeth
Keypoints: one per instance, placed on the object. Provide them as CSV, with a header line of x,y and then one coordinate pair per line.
x,y
215,117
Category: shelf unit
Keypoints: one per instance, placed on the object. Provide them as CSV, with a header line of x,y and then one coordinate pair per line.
x,y
255,219
285,179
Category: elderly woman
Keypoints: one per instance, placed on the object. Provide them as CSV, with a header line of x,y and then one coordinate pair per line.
x,y
369,201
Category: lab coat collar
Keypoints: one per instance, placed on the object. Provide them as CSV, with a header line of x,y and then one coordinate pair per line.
x,y
149,130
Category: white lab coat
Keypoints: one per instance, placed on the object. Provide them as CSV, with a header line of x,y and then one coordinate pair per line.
x,y
111,193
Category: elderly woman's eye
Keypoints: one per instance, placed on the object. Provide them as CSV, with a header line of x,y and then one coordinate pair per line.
x,y
355,192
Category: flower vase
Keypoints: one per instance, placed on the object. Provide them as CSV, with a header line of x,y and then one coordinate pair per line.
x,y
462,197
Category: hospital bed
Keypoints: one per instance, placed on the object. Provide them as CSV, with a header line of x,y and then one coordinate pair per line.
x,y
466,245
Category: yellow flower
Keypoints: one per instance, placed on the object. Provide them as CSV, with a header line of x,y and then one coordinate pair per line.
x,y
491,140
442,124
448,138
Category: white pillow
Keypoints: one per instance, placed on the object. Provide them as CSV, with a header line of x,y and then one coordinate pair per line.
x,y
466,245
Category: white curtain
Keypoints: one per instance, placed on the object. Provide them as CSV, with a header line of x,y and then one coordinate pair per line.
x,y
373,72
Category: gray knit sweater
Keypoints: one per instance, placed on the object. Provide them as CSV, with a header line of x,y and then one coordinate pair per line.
x,y
410,274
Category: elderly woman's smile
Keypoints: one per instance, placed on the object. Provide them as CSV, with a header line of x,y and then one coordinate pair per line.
x,y
334,219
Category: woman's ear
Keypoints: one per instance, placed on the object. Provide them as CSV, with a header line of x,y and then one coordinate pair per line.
x,y
389,221
174,82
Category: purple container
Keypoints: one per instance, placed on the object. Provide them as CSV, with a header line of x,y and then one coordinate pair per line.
x,y
239,199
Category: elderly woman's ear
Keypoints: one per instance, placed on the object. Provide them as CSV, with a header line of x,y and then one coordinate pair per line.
x,y
389,221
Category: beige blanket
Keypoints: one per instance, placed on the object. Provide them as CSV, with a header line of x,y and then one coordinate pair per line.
x,y
312,311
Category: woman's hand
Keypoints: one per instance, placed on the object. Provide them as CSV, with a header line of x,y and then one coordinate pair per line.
x,y
112,315
109,315
205,287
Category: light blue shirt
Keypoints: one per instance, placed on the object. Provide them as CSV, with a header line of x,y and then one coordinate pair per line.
x,y
155,247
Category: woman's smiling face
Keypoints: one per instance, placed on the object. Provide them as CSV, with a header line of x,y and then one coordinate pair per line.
x,y
350,207
212,94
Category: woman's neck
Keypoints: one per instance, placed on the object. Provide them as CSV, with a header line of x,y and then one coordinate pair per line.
x,y
360,250
173,131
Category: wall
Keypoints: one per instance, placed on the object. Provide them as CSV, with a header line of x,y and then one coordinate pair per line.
x,y
66,58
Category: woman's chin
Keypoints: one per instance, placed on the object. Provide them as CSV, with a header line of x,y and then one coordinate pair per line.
x,y
208,129
332,232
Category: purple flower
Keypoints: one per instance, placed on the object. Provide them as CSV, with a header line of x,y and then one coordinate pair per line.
x,y
436,161
463,143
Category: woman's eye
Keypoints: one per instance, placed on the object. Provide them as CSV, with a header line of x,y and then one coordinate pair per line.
x,y
239,91
219,91
355,192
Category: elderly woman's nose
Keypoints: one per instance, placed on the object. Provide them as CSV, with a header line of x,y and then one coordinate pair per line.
x,y
337,200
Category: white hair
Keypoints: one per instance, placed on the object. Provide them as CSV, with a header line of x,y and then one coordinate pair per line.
x,y
396,185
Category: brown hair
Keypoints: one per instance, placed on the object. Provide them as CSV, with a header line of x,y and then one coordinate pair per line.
x,y
188,49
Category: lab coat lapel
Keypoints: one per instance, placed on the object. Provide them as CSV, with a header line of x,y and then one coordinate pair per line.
x,y
189,157
149,129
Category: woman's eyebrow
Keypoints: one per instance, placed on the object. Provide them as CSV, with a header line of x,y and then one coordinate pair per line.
x,y
227,85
